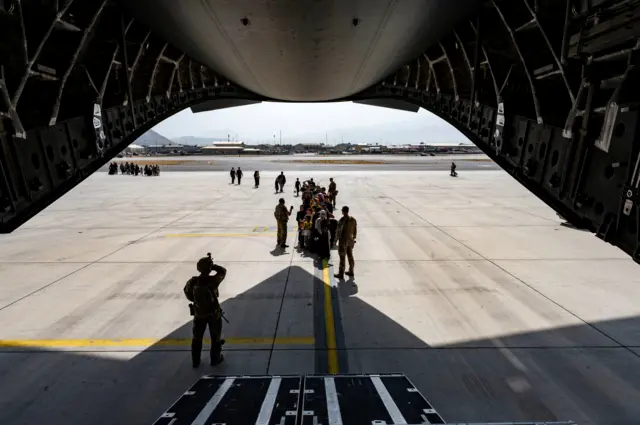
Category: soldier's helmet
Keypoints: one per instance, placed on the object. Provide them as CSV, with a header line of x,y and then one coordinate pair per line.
x,y
204,265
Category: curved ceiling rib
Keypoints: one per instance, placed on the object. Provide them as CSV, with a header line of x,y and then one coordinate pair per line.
x,y
548,90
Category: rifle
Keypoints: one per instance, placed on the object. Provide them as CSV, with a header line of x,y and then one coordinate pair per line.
x,y
192,312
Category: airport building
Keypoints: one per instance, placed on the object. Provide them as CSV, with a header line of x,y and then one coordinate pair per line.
x,y
309,147
169,148
369,148
134,149
224,148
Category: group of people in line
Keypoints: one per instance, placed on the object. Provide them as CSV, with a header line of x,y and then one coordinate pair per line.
x,y
134,169
318,228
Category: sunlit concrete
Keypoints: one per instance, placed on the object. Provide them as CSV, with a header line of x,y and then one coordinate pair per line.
x,y
469,286
441,303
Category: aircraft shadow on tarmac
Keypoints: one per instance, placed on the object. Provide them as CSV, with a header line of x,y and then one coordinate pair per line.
x,y
470,381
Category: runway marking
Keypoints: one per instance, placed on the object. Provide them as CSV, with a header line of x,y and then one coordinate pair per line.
x,y
329,321
146,342
258,229
217,235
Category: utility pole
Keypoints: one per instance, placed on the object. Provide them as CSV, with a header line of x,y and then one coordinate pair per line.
x,y
280,137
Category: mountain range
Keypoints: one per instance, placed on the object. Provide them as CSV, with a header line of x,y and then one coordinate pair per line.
x,y
152,138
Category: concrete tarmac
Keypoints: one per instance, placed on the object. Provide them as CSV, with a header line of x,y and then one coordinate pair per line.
x,y
312,163
470,286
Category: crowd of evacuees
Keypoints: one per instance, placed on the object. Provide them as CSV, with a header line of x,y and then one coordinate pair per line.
x,y
316,221
133,169
318,229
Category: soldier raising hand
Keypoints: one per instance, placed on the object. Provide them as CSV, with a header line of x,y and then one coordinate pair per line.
x,y
202,291
282,217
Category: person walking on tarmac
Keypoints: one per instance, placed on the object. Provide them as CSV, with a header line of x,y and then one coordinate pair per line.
x,y
297,185
239,175
232,173
453,170
203,293
281,181
346,237
256,178
282,217
332,192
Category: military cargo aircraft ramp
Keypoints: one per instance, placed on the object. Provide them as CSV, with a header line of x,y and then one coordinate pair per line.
x,y
471,287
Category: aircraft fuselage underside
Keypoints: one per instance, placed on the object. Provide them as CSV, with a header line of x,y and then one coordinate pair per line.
x,y
547,88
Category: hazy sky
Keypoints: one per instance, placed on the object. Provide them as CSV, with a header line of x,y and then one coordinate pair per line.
x,y
260,122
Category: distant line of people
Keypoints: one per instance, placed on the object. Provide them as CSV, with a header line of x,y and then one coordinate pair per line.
x,y
133,169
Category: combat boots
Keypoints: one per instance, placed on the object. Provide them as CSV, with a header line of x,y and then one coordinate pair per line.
x,y
341,275
216,362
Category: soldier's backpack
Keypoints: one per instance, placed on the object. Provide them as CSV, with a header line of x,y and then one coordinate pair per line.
x,y
204,300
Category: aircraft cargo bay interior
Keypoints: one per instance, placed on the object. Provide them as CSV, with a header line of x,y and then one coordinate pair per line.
x,y
410,212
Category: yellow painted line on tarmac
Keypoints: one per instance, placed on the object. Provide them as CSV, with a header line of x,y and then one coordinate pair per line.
x,y
329,322
145,342
216,235
255,229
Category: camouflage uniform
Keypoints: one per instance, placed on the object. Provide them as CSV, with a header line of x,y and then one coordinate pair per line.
x,y
282,217
346,236
203,317
333,193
